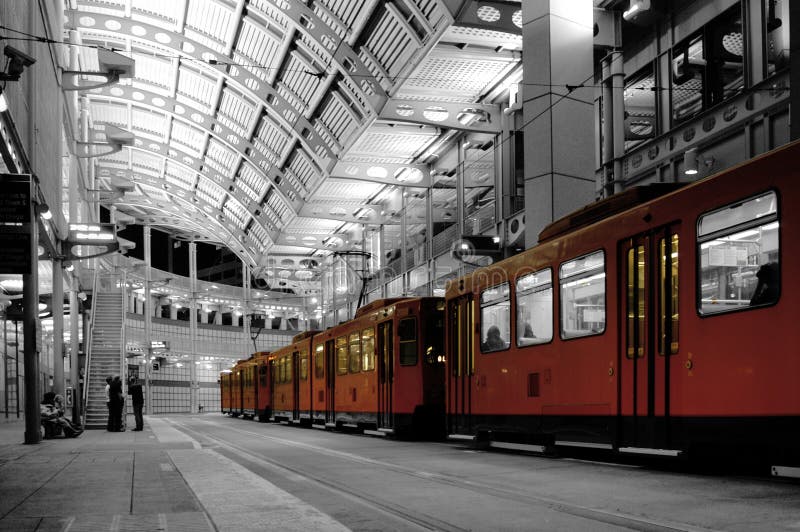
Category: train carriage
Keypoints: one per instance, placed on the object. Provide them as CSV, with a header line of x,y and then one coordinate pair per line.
x,y
225,398
383,370
292,387
644,325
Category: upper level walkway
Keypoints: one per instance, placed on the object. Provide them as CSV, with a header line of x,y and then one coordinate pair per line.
x,y
158,479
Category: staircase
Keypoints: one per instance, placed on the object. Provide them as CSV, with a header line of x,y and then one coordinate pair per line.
x,y
105,354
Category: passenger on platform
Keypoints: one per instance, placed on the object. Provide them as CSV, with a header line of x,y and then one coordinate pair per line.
x,y
768,287
117,402
51,410
108,402
137,400
494,341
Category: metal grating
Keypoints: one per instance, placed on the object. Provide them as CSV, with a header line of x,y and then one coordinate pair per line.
x,y
197,88
180,175
187,138
236,111
257,46
234,211
211,20
251,181
108,112
153,122
156,71
301,167
221,158
391,44
278,207
210,192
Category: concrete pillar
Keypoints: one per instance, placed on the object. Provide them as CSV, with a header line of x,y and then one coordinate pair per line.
x,y
204,315
557,106
218,316
193,385
245,309
149,308
57,304
74,359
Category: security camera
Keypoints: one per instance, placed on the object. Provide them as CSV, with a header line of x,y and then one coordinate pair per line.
x,y
16,56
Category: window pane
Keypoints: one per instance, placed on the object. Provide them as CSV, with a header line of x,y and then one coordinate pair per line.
x,y
408,341
288,362
744,212
688,78
303,365
740,269
583,296
640,108
495,318
726,56
535,308
668,302
777,34
368,349
319,361
355,353
341,355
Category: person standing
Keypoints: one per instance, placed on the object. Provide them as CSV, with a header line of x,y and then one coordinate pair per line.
x,y
117,402
109,423
137,399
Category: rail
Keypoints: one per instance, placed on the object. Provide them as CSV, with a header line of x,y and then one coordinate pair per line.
x,y
87,347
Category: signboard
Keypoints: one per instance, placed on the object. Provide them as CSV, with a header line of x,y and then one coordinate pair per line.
x,y
159,344
15,199
15,224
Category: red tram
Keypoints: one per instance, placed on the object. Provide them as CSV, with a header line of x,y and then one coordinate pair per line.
x,y
655,325
382,371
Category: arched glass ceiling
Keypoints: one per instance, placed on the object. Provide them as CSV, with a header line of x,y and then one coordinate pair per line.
x,y
242,109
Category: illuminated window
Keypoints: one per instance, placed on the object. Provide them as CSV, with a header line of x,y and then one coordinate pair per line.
x,y
368,349
495,318
583,296
739,255
535,308
341,355
355,352
303,365
319,361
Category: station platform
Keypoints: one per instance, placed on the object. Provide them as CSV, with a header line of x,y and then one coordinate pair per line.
x,y
156,479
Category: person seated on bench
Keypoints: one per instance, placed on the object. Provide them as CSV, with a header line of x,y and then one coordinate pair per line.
x,y
51,411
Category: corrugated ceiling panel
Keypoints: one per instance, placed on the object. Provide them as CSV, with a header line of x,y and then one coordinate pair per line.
x,y
154,70
197,87
259,47
306,172
106,112
221,158
210,192
143,159
297,76
210,18
236,111
188,138
157,12
393,144
301,225
151,121
278,206
252,181
155,193
269,9
338,188
180,175
258,233
270,139
453,78
391,43
338,118
235,212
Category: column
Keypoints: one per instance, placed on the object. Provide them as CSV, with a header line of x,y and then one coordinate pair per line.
x,y
30,328
193,384
148,320
557,106
74,359
245,310
57,304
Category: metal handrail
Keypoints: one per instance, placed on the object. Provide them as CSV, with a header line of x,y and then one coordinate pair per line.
x,y
87,347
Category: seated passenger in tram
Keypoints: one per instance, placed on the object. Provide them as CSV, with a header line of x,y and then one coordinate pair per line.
x,y
768,287
494,341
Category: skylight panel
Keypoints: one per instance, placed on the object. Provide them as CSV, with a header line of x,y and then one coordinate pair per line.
x,y
211,19
199,88
179,175
220,158
259,47
235,212
303,169
156,12
270,139
152,122
278,206
258,234
145,160
210,192
107,112
189,139
252,181
156,71
236,111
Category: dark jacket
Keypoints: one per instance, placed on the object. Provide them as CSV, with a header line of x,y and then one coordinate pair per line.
x,y
135,391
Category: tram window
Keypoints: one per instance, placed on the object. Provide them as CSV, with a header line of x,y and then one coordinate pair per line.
x,y
287,361
319,361
355,352
535,308
668,299
341,355
583,296
303,365
368,349
407,332
739,255
262,375
495,318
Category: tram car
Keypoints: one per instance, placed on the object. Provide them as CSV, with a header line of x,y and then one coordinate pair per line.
x,y
651,322
382,372
291,386
245,388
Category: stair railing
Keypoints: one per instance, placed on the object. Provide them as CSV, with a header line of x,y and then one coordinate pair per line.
x,y
87,348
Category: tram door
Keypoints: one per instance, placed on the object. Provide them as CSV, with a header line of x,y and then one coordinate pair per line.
x,y
461,361
295,386
330,381
385,353
649,306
